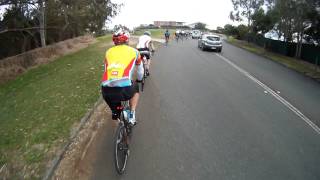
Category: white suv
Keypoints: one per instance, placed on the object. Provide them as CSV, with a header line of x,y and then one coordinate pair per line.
x,y
196,34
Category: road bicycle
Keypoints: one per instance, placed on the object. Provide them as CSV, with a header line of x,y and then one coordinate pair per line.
x,y
122,137
144,55
144,62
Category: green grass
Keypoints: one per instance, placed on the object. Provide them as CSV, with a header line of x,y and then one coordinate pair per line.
x,y
298,65
155,33
38,108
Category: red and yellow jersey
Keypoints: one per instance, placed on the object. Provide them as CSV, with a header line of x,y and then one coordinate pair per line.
x,y
119,66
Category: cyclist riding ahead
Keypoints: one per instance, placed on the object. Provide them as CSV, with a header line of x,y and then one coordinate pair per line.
x,y
119,66
144,46
167,36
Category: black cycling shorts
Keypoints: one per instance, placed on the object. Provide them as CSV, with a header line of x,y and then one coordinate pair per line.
x,y
114,95
147,55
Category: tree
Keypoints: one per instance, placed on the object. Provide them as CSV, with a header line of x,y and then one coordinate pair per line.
x,y
19,30
219,29
242,31
230,30
294,19
245,9
313,30
263,22
200,26
28,23
36,6
41,12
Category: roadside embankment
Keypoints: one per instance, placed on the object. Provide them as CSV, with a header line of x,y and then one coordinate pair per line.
x,y
43,106
13,66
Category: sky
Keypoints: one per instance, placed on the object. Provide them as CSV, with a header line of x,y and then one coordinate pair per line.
x,y
135,12
2,8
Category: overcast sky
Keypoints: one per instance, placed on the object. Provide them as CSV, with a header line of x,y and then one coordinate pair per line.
x,y
135,12
212,12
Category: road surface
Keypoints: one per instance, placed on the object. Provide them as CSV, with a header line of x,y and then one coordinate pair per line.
x,y
200,117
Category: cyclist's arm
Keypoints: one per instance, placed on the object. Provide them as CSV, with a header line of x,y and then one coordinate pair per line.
x,y
139,68
152,46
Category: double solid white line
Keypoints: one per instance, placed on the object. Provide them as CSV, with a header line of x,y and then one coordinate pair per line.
x,y
274,94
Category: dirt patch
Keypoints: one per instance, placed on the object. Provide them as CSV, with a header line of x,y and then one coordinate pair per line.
x,y
12,67
75,163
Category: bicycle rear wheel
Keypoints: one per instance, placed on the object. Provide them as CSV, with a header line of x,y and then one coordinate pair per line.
x,y
144,76
121,149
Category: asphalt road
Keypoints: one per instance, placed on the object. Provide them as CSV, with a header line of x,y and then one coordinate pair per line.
x,y
201,118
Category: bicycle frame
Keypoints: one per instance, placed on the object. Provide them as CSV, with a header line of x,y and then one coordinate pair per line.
x,y
124,106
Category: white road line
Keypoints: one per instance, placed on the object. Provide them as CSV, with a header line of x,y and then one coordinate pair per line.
x,y
274,94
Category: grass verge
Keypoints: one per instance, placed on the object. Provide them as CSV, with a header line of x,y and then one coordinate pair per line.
x,y
38,109
301,66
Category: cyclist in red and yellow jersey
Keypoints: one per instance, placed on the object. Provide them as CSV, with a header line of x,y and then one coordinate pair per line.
x,y
117,85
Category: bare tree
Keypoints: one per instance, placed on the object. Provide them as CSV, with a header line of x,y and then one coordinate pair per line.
x,y
41,12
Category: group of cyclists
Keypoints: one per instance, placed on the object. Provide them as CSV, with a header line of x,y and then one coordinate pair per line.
x,y
178,35
120,64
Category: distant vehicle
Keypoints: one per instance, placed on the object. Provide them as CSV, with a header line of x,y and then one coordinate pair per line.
x,y
196,34
210,41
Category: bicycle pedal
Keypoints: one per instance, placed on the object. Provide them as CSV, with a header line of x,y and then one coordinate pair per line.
x,y
133,124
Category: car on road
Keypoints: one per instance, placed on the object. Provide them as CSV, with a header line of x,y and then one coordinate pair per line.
x,y
210,41
196,34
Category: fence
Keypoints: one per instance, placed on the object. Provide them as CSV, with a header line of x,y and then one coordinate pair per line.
x,y
309,52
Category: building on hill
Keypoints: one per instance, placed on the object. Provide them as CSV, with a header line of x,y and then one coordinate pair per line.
x,y
193,25
168,23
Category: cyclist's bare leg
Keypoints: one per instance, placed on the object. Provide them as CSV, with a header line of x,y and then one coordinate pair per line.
x,y
134,101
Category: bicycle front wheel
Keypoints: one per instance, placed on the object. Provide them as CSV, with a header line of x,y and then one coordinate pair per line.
x,y
121,149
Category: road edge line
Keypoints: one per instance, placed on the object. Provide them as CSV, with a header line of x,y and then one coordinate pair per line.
x,y
274,94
